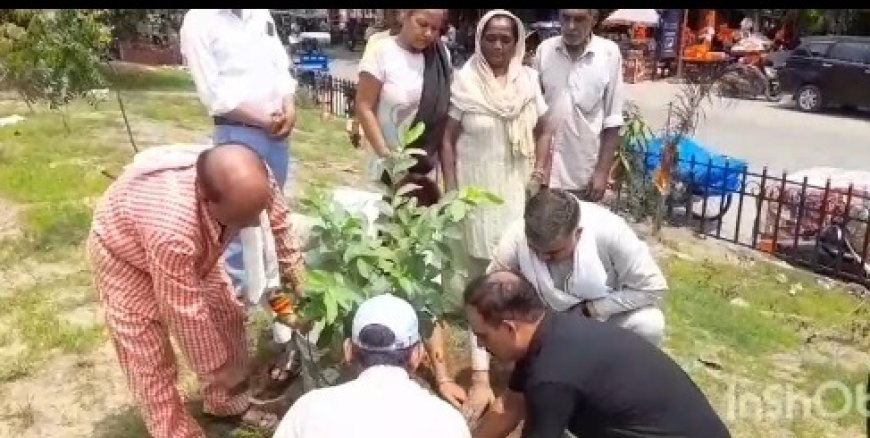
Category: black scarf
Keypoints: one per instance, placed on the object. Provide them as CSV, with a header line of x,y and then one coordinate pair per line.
x,y
432,110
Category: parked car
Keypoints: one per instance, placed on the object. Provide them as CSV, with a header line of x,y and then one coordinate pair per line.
x,y
827,71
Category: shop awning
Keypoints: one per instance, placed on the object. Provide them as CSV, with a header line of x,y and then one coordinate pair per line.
x,y
646,17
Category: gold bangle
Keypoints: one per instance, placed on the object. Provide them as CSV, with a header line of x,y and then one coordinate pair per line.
x,y
445,379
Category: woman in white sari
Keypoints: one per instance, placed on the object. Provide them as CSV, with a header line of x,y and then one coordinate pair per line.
x,y
496,138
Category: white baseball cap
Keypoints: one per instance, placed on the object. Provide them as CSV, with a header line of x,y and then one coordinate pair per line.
x,y
391,312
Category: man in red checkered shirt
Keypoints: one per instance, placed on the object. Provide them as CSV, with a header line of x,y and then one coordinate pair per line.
x,y
155,246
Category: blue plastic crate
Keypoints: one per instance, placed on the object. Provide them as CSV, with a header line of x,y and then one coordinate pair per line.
x,y
711,174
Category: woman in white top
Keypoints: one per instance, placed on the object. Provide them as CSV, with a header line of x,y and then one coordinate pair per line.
x,y
405,80
496,136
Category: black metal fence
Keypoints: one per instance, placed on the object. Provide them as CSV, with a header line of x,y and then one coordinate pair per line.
x,y
329,94
820,227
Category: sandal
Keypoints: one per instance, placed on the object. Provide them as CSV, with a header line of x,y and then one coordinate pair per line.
x,y
285,369
252,418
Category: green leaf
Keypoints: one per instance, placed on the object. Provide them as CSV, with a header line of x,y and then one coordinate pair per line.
x,y
385,208
457,211
492,198
331,308
416,152
406,285
413,134
453,233
365,269
407,188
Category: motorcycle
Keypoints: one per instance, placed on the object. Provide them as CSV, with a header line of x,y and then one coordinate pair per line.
x,y
742,80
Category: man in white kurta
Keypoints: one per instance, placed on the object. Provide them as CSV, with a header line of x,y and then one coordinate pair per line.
x,y
581,74
582,258
596,266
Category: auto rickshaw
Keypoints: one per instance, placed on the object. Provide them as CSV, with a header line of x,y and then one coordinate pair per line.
x,y
308,57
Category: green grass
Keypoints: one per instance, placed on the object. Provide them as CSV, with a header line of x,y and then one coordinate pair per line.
x,y
835,398
180,111
752,343
45,162
700,299
52,226
701,295
35,318
156,79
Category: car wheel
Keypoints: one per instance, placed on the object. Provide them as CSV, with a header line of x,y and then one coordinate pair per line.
x,y
809,98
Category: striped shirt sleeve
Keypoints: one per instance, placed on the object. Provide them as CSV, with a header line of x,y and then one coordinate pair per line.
x,y
290,260
183,303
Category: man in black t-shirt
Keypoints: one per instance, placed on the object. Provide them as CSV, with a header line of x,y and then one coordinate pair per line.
x,y
579,375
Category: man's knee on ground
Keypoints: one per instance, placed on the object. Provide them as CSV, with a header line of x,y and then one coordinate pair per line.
x,y
648,322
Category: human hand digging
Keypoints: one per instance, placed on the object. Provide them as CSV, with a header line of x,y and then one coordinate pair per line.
x,y
453,393
285,308
480,397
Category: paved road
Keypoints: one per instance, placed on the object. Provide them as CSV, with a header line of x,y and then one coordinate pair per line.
x,y
763,133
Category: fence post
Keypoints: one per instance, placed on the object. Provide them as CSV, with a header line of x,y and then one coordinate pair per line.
x,y
759,206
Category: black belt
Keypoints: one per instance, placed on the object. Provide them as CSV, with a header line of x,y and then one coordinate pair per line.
x,y
219,120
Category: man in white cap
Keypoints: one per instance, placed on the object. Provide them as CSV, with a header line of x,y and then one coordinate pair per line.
x,y
383,401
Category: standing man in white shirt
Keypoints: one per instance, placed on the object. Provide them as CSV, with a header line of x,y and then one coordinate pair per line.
x,y
242,76
582,78
581,258
383,402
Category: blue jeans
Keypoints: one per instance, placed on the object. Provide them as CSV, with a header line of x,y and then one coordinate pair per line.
x,y
276,154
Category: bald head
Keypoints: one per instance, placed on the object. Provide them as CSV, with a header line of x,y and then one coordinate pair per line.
x,y
504,295
235,182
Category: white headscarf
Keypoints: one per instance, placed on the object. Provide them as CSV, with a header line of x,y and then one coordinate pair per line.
x,y
476,90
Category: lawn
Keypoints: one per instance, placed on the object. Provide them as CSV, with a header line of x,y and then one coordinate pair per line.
x,y
740,328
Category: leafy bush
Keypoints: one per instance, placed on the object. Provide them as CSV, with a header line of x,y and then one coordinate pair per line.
x,y
405,254
55,57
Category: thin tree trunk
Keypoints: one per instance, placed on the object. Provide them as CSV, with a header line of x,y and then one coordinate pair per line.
x,y
27,102
126,121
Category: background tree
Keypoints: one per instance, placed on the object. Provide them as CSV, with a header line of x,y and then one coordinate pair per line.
x,y
52,56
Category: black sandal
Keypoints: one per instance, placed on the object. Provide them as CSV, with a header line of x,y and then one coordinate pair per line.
x,y
286,368
252,418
